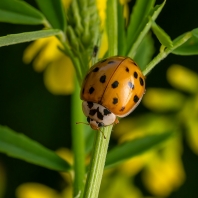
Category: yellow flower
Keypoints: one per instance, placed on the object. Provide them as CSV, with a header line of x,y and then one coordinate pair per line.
x,y
164,172
182,78
189,114
125,9
59,71
35,190
120,186
162,166
101,5
163,100
192,135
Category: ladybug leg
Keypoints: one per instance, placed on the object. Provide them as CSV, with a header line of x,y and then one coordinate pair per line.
x,y
116,121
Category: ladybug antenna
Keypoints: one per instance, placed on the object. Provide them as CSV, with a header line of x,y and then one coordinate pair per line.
x,y
102,133
82,123
96,129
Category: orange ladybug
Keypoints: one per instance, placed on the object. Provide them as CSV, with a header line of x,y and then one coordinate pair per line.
x,y
112,88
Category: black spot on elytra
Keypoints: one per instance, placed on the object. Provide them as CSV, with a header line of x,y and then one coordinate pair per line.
x,y
96,69
141,81
115,84
90,104
122,109
131,85
110,62
83,91
136,98
127,69
135,74
103,79
115,100
106,112
91,90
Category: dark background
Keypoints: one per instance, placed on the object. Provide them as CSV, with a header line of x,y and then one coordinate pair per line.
x,y
27,107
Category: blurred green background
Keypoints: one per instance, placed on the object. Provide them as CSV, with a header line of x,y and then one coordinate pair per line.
x,y
27,107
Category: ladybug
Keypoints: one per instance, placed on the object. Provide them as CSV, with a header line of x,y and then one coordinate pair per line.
x,y
112,88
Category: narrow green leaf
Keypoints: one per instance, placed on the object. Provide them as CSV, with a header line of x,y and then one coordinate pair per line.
x,y
54,12
165,51
19,146
195,32
162,36
121,31
20,12
140,11
112,27
27,36
134,148
78,141
144,27
145,52
188,48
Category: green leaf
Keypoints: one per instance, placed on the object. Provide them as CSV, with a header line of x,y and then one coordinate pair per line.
x,y
20,12
162,36
144,27
190,47
19,146
195,32
78,141
112,27
27,36
140,11
145,52
54,12
121,31
134,148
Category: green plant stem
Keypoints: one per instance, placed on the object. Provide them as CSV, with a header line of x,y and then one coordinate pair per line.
x,y
78,143
75,61
147,25
112,27
101,144
97,163
164,53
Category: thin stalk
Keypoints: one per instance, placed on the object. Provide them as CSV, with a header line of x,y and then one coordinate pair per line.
x,y
78,143
95,173
112,27
164,53
97,163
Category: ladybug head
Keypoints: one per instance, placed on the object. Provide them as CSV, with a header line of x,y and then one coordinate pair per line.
x,y
95,125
